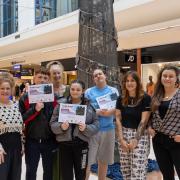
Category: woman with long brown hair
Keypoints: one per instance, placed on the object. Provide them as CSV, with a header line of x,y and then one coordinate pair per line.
x,y
165,124
132,114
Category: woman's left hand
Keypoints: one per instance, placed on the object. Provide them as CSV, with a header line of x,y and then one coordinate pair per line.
x,y
82,127
133,144
177,138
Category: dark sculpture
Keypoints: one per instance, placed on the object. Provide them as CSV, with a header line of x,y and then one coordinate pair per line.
x,y
97,47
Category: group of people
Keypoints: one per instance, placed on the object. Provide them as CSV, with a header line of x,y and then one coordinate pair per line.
x,y
135,117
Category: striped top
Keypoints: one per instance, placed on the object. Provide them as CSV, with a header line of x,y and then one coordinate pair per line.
x,y
170,124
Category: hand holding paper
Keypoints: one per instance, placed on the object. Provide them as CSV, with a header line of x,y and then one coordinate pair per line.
x,y
82,127
39,106
64,126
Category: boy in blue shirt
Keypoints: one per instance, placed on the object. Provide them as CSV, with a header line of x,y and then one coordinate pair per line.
x,y
101,146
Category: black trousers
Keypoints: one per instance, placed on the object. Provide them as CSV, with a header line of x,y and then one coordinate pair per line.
x,y
11,168
33,150
167,153
73,159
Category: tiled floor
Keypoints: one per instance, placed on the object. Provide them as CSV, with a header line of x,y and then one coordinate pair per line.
x,y
151,176
39,173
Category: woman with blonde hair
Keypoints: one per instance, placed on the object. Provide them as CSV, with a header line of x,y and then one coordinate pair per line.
x,y
165,122
56,69
132,114
11,124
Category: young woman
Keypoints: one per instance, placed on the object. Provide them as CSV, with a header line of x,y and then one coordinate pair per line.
x,y
132,114
11,124
166,121
73,138
56,75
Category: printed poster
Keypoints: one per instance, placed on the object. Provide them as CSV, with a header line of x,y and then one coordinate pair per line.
x,y
72,113
40,93
107,101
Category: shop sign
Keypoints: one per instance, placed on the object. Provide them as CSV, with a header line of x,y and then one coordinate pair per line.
x,y
129,58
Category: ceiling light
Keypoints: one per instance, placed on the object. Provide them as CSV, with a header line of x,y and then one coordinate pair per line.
x,y
160,29
60,48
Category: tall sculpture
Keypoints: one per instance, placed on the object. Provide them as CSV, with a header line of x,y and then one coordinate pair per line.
x,y
97,46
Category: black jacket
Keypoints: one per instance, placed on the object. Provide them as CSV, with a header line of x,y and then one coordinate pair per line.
x,y
36,123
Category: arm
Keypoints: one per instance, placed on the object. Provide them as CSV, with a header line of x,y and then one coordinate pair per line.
x,y
2,153
105,112
92,128
121,140
28,112
54,124
142,126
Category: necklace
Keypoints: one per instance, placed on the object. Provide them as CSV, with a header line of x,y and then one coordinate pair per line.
x,y
170,94
131,100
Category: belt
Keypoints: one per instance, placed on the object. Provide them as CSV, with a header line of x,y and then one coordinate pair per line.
x,y
40,140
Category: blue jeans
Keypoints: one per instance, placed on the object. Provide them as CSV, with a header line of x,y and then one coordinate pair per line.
x,y
33,150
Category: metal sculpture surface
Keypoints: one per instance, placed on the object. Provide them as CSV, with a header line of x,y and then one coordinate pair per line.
x,y
97,46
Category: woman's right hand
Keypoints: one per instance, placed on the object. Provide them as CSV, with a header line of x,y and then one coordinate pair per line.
x,y
64,126
151,132
2,153
124,145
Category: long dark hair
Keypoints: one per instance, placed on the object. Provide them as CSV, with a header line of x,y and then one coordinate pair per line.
x,y
139,89
159,88
82,84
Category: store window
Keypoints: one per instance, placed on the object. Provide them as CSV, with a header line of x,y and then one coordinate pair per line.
x,y
44,10
49,9
8,17
66,6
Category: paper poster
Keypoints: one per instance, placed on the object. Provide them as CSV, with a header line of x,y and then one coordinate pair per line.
x,y
72,113
40,93
107,101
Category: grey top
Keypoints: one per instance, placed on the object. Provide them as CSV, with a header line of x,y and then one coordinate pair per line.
x,y
92,126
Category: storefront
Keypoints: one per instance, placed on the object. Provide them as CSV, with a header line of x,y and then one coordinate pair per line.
x,y
157,57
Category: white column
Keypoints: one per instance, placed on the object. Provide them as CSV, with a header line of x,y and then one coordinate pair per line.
x,y
1,18
26,14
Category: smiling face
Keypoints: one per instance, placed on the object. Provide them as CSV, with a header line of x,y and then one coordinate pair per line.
x,y
168,78
56,73
76,91
130,84
5,91
41,78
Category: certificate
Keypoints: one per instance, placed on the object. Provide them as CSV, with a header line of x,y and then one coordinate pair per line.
x,y
72,113
107,101
40,93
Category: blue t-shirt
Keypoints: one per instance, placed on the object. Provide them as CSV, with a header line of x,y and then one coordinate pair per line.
x,y
105,123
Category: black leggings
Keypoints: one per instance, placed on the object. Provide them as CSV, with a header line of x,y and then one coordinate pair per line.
x,y
167,153
73,156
